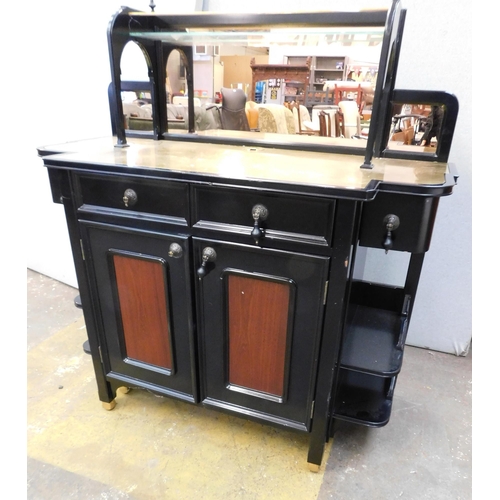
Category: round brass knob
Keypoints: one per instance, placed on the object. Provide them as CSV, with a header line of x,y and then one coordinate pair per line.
x,y
129,197
175,251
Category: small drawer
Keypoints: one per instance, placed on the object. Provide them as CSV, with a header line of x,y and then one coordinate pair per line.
x,y
159,198
295,218
416,215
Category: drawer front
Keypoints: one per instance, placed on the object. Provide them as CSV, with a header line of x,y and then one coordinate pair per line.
x,y
158,198
415,214
288,217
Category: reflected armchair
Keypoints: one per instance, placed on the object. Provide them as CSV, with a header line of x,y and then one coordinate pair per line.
x,y
232,110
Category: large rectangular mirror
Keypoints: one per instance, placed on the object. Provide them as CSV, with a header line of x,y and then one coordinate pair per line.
x,y
288,80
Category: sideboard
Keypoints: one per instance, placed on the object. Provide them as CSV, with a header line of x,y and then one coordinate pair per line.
x,y
218,269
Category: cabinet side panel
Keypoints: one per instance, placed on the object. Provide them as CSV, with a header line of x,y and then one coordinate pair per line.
x,y
143,305
258,316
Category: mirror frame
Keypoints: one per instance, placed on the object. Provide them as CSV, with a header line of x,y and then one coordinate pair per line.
x,y
145,30
431,97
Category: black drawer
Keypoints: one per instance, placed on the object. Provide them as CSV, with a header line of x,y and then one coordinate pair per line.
x,y
416,216
289,217
159,198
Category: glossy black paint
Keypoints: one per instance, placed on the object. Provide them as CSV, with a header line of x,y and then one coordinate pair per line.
x,y
128,25
416,222
310,238
196,215
308,274
100,241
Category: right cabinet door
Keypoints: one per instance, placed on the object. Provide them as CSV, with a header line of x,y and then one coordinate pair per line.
x,y
259,313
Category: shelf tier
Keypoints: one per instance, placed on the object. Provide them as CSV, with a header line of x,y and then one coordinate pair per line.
x,y
372,353
364,399
376,328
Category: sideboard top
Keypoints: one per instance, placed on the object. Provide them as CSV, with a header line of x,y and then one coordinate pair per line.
x,y
290,170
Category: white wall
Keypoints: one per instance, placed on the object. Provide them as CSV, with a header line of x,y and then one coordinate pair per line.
x,y
437,54
64,98
63,60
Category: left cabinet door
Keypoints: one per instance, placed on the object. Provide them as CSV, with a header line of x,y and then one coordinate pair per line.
x,y
142,296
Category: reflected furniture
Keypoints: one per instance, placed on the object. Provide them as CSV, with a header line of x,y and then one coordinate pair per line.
x,y
342,93
325,124
296,73
217,267
303,123
275,118
348,119
232,111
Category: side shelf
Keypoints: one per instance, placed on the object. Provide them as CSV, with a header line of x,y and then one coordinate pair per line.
x,y
372,353
376,327
364,399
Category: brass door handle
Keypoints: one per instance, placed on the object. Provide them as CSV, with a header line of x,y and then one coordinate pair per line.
x,y
175,251
208,256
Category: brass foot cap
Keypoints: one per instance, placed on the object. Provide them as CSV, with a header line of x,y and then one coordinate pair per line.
x,y
313,467
109,406
125,390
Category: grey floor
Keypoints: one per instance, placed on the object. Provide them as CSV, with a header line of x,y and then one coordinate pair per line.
x,y
423,453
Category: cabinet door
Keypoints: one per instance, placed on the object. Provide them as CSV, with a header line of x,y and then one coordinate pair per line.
x,y
143,295
260,315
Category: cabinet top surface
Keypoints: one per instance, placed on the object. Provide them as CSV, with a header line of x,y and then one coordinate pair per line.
x,y
242,164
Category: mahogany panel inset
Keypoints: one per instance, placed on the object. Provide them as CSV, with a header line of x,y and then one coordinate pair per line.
x,y
258,316
144,310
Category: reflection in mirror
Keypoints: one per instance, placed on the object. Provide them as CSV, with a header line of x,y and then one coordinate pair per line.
x,y
206,114
415,127
176,87
290,79
136,99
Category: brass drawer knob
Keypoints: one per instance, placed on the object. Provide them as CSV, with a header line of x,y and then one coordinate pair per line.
x,y
259,213
391,223
129,198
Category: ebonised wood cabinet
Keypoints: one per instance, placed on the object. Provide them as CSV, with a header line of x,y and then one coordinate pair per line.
x,y
217,267
218,292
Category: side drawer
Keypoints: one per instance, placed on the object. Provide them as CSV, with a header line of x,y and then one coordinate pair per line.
x,y
290,217
158,199
416,216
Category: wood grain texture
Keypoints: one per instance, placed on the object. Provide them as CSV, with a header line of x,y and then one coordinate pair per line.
x,y
258,311
144,309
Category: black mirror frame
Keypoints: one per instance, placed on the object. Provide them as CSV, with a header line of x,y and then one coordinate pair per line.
x,y
144,28
432,97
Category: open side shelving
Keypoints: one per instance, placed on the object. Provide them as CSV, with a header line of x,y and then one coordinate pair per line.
x,y
372,352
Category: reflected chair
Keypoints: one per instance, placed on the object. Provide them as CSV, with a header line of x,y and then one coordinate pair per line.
x,y
303,123
252,112
325,124
406,128
232,110
275,118
342,94
348,120
317,97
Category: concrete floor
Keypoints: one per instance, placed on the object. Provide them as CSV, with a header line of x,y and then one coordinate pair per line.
x,y
156,448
